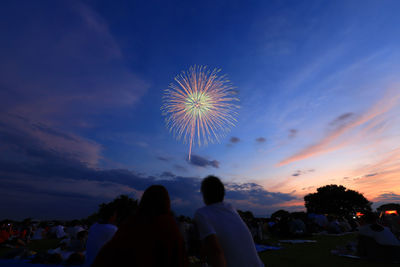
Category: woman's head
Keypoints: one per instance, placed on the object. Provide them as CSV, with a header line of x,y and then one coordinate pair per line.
x,y
155,201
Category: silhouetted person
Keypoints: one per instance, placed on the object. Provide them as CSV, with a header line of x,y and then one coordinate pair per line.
x,y
100,233
150,238
376,241
226,239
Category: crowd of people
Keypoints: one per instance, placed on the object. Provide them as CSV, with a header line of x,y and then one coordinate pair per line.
x,y
71,247
218,234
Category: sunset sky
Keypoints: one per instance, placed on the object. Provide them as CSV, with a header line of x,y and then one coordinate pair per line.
x,y
81,85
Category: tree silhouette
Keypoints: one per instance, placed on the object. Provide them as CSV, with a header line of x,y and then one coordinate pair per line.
x,y
124,206
280,214
246,215
336,200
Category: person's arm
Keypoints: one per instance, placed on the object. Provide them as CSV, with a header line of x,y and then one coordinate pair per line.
x,y
214,253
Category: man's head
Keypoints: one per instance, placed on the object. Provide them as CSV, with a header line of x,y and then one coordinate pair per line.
x,y
213,190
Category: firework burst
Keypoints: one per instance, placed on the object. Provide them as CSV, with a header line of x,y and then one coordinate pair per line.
x,y
200,107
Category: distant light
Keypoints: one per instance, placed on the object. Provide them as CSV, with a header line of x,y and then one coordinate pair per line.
x,y
359,214
391,212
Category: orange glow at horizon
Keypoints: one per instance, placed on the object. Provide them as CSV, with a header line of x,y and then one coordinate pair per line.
x,y
362,154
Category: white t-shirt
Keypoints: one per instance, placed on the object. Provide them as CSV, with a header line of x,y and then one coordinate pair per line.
x,y
99,235
58,231
232,233
384,237
75,230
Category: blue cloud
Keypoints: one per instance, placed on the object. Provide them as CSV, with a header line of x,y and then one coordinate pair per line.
x,y
34,169
261,140
37,172
234,140
203,162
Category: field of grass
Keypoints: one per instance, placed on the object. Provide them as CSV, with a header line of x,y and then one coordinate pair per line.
x,y
35,245
307,254
316,254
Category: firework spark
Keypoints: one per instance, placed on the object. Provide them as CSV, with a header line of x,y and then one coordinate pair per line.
x,y
200,105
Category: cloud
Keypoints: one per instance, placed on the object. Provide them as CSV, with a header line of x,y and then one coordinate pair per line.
x,y
342,125
252,196
163,158
22,138
293,133
342,119
370,175
308,188
179,168
43,182
379,175
94,22
234,140
388,197
167,174
90,187
300,172
255,192
60,198
74,69
203,162
261,140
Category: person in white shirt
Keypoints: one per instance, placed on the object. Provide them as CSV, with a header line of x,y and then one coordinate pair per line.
x,y
381,234
58,231
376,241
226,239
100,233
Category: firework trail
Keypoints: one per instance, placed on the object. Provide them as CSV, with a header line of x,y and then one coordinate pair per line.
x,y
200,106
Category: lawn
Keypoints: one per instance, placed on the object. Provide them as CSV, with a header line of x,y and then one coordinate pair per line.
x,y
35,245
307,254
315,254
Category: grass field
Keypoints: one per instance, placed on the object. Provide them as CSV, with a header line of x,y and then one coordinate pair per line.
x,y
315,254
307,254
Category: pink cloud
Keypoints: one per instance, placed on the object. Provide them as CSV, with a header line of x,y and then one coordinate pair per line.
x,y
327,143
379,176
50,139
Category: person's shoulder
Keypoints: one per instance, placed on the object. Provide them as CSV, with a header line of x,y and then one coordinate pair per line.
x,y
205,211
202,210
228,205
202,214
112,227
104,227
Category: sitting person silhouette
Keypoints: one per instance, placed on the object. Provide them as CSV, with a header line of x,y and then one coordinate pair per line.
x,y
226,239
100,233
150,238
376,241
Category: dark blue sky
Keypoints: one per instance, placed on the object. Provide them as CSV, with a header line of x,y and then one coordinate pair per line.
x,y
81,85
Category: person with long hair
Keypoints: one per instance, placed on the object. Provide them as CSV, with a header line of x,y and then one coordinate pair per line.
x,y
150,238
